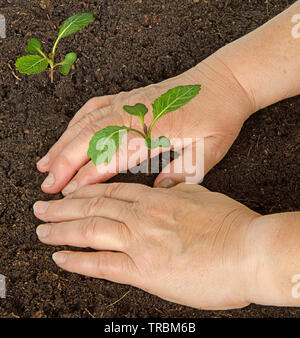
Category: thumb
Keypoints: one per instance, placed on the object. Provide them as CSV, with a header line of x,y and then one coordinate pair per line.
x,y
188,167
192,164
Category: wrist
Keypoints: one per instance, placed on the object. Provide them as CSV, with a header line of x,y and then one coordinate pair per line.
x,y
255,80
273,243
266,61
214,74
250,252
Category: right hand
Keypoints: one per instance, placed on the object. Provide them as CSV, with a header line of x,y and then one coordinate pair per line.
x,y
216,114
185,244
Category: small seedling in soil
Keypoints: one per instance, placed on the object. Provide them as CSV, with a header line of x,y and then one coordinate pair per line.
x,y
106,142
34,64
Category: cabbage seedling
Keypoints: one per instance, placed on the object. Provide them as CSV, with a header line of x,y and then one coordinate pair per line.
x,y
34,63
106,142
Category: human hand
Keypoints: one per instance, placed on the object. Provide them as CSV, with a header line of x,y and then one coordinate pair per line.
x,y
216,115
185,244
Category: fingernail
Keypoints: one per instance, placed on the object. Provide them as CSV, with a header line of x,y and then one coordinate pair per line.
x,y
43,230
40,207
71,187
166,183
49,181
59,257
44,161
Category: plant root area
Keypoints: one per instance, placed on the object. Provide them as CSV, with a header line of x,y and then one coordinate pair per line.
x,y
133,43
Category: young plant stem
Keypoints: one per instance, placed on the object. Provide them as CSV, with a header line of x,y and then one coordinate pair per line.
x,y
51,63
149,152
52,75
145,135
52,55
149,163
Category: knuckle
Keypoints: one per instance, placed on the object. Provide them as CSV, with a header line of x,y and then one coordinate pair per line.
x,y
106,265
139,205
102,112
93,102
88,131
88,229
143,95
124,236
112,189
88,119
137,97
159,211
120,96
76,127
126,267
152,205
135,208
142,211
154,210
102,265
98,115
91,207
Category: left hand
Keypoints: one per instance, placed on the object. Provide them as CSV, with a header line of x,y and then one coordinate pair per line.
x,y
185,244
214,116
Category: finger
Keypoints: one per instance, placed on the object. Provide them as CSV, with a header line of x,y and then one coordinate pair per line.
x,y
90,174
194,162
215,148
95,232
114,266
87,175
120,191
69,209
91,105
74,128
74,155
187,167
46,162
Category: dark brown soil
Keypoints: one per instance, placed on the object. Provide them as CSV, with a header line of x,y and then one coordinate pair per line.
x,y
132,44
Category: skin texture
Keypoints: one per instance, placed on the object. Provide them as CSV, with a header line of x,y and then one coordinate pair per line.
x,y
266,61
220,123
184,244
162,247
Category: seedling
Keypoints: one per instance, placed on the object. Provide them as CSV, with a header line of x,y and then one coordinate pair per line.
x,y
106,142
34,64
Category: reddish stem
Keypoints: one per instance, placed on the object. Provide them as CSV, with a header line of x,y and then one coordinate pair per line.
x,y
52,75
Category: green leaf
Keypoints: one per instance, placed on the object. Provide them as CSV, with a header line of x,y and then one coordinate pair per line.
x,y
31,64
75,23
173,99
70,58
33,45
105,143
137,110
160,142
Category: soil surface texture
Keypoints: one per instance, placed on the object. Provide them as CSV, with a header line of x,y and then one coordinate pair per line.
x,y
132,43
